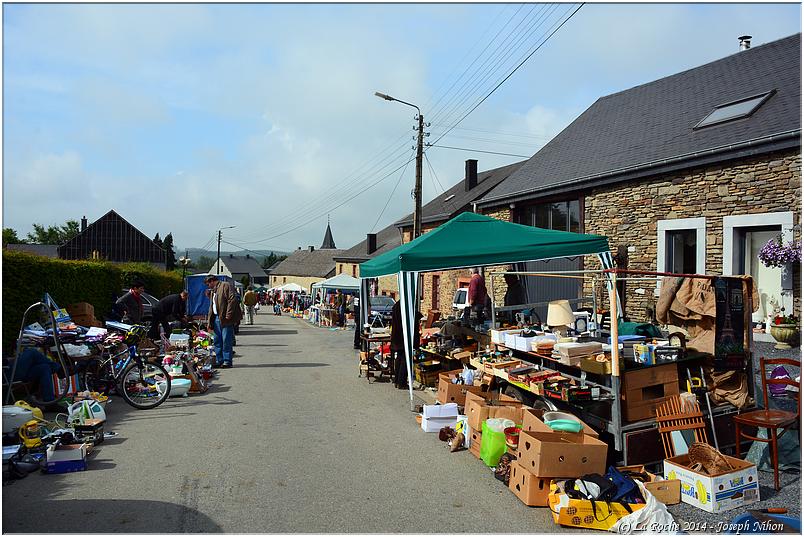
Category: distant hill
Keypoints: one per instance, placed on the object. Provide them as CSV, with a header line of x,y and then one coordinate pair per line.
x,y
197,253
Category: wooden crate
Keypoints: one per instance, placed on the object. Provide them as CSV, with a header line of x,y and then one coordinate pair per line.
x,y
644,389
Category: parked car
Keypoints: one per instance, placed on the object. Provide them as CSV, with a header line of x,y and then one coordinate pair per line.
x,y
460,301
381,307
148,303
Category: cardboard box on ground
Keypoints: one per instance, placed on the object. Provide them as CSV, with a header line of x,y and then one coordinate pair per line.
x,y
715,493
667,491
453,393
482,406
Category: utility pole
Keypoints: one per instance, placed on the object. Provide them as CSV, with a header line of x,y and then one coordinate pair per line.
x,y
417,188
220,234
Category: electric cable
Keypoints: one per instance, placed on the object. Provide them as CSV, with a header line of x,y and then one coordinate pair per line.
x,y
501,58
435,175
480,69
511,73
499,133
389,197
433,172
479,151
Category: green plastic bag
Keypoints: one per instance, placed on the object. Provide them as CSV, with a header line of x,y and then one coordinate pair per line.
x,y
492,446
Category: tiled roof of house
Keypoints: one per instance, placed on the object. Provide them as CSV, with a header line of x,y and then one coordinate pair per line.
x,y
387,239
650,129
457,200
318,263
242,265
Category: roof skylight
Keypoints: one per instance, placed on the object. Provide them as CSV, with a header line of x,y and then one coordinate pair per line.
x,y
734,110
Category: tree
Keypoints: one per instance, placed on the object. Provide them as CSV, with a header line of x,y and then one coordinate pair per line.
x,y
246,281
54,234
10,237
158,241
205,263
268,261
170,255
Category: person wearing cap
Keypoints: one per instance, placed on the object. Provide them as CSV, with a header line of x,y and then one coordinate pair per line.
x,y
224,313
131,303
172,307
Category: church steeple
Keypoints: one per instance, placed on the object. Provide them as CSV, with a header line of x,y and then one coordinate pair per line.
x,y
329,242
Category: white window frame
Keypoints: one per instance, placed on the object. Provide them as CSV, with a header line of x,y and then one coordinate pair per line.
x,y
731,224
679,224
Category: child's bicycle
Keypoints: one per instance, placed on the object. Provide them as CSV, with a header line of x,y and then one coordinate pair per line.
x,y
120,368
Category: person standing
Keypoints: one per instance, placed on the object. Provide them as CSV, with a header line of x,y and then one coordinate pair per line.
x,y
224,313
398,358
340,306
250,300
131,303
477,294
171,308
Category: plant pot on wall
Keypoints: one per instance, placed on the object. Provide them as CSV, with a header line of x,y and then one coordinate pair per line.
x,y
786,335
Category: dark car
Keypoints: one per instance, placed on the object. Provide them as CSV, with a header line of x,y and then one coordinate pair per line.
x,y
381,307
148,303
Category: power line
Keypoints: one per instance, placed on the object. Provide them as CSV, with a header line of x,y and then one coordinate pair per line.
x,y
478,151
389,197
273,249
492,140
511,73
433,172
483,131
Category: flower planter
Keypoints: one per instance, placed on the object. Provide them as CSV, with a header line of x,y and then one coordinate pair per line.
x,y
786,335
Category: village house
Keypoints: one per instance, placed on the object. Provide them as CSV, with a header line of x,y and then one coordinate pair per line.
x,y
691,173
375,244
306,267
241,268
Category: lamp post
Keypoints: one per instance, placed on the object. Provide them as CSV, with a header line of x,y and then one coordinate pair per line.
x,y
417,189
218,262
184,260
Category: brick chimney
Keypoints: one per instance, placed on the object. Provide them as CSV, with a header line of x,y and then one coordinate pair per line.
x,y
312,248
84,223
470,179
371,243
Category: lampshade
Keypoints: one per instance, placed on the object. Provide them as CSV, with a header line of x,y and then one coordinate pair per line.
x,y
559,313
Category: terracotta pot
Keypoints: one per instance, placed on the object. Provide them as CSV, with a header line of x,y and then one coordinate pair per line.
x,y
786,335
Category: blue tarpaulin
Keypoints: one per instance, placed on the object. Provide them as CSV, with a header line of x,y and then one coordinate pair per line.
x,y
197,300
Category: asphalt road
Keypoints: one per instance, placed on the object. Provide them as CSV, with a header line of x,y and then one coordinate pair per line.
x,y
289,440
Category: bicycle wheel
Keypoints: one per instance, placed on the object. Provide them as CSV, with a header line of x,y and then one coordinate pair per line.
x,y
144,385
93,377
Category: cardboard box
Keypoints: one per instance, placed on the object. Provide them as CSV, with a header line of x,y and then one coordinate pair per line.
x,y
462,426
433,425
561,454
523,343
81,309
474,449
453,393
667,491
478,409
584,513
510,338
64,459
449,410
532,421
715,493
474,438
529,488
498,336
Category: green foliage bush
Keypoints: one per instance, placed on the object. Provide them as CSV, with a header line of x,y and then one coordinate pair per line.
x,y
26,278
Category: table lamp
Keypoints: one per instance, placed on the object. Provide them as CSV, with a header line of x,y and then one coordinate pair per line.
x,y
559,316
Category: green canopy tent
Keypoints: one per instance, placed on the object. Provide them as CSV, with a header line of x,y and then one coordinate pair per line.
x,y
469,240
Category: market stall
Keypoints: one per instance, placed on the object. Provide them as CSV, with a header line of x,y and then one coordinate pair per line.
x,y
470,240
343,282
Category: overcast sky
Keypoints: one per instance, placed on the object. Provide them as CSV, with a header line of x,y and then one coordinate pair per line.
x,y
190,118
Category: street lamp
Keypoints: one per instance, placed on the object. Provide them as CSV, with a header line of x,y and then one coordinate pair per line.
x,y
184,261
218,263
417,189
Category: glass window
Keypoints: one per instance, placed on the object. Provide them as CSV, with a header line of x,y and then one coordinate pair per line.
x,y
734,110
681,251
575,216
558,216
541,216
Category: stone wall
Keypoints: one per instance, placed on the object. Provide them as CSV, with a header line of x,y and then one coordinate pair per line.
x,y
628,213
500,288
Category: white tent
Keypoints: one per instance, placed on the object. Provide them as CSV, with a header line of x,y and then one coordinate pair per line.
x,y
341,281
291,288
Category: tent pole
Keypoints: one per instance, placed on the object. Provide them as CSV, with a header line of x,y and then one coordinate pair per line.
x,y
493,313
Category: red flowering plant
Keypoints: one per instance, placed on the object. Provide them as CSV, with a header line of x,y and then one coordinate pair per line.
x,y
785,319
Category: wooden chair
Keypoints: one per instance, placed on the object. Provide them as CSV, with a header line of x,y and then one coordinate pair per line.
x,y
432,317
768,418
676,414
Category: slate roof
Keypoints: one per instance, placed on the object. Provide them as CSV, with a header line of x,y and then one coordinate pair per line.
x,y
43,250
318,263
329,242
115,239
649,129
387,239
242,265
440,209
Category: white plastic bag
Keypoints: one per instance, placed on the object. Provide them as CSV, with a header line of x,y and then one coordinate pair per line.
x,y
498,425
653,518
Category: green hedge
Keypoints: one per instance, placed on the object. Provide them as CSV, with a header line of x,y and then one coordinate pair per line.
x,y
26,278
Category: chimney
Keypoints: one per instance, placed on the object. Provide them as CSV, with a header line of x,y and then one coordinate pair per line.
x,y
312,248
231,256
470,179
745,42
299,248
84,223
371,243
248,256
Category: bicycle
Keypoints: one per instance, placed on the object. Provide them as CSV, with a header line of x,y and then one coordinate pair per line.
x,y
142,384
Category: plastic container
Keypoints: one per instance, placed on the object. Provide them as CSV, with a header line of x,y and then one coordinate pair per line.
x,y
180,387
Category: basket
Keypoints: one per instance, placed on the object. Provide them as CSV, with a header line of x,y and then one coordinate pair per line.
x,y
711,460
